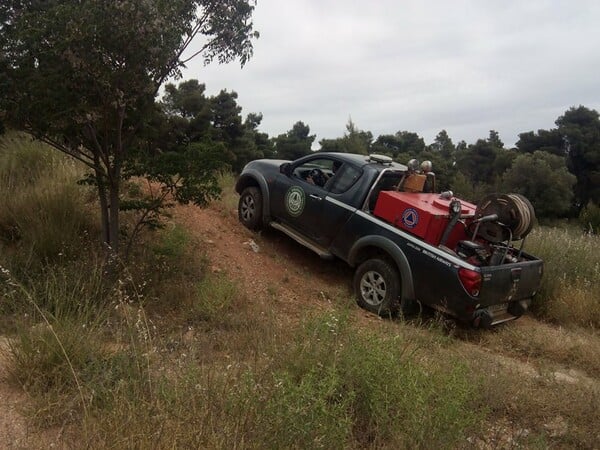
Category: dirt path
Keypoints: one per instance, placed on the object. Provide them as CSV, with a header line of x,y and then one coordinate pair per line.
x,y
13,430
272,268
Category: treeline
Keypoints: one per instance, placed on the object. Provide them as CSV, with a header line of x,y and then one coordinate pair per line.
x,y
558,169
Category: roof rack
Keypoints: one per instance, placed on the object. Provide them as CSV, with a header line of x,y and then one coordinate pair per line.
x,y
381,159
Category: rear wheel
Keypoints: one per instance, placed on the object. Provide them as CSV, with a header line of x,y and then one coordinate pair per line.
x,y
250,208
377,287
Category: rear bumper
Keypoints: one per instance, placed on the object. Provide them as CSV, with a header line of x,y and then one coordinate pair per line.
x,y
497,314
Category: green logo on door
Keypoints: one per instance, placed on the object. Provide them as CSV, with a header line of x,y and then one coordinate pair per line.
x,y
294,201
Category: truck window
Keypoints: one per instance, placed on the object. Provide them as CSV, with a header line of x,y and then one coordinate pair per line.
x,y
315,171
388,181
344,179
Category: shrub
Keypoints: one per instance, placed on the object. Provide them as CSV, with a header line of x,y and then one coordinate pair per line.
x,y
394,401
590,218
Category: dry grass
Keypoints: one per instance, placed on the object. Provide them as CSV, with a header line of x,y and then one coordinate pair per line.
x,y
570,293
547,344
42,209
575,304
533,408
173,355
228,200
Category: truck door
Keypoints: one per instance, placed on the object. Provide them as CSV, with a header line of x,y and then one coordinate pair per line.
x,y
299,200
342,194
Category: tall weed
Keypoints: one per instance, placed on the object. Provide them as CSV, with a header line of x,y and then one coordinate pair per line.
x,y
68,352
570,292
228,199
42,209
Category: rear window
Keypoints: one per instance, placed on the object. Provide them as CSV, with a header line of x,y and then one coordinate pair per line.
x,y
344,179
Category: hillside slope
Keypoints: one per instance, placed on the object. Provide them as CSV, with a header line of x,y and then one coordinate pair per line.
x,y
530,358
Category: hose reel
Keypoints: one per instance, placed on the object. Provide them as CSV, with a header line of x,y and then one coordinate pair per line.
x,y
515,217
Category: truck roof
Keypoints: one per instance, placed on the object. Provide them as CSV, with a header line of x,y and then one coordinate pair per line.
x,y
363,160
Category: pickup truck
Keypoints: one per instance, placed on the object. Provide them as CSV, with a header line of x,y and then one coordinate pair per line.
x,y
409,247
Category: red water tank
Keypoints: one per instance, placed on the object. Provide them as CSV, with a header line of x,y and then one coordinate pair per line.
x,y
424,215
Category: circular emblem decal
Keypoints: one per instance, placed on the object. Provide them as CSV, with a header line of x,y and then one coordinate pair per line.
x,y
294,201
410,218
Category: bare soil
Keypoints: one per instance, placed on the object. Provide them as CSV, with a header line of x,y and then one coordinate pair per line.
x,y
15,432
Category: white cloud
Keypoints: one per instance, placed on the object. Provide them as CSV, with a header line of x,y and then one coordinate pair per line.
x,y
466,66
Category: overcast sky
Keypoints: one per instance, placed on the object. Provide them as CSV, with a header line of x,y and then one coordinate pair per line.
x,y
422,66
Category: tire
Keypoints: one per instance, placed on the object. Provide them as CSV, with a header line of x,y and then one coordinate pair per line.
x,y
377,287
250,207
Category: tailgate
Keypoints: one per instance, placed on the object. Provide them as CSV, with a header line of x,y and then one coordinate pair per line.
x,y
510,282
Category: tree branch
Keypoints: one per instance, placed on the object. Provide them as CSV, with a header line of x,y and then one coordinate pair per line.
x,y
174,60
79,156
195,54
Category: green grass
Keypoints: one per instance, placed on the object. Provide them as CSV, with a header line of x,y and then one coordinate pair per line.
x,y
370,395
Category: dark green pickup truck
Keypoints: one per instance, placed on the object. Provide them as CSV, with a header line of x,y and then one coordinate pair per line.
x,y
408,246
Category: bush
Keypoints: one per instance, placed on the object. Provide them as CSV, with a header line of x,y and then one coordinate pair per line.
x,y
590,218
393,400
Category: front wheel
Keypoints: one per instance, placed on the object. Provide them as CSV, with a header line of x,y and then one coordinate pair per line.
x,y
250,208
377,287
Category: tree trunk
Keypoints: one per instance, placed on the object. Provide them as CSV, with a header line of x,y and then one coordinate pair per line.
x,y
100,182
114,216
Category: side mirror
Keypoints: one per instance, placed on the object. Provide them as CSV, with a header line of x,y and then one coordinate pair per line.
x,y
286,169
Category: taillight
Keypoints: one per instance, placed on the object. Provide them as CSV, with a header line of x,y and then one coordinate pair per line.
x,y
471,280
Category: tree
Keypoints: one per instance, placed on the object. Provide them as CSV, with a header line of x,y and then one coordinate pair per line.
x,y
264,145
387,144
402,145
295,143
185,100
543,178
82,76
494,139
412,143
477,162
354,141
186,105
227,126
580,130
545,140
465,189
333,145
191,117
443,145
